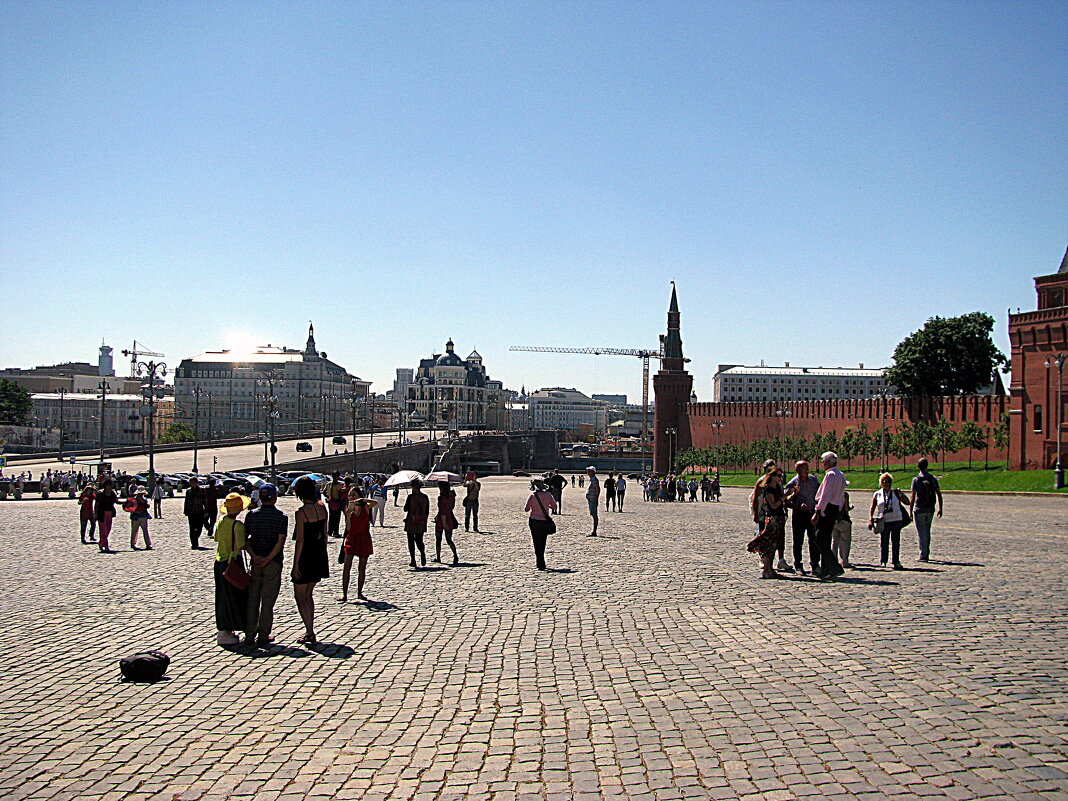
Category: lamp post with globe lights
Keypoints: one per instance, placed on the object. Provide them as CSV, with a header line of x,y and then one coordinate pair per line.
x,y
1058,360
151,373
268,381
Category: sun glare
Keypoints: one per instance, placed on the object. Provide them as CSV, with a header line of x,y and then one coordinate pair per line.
x,y
241,342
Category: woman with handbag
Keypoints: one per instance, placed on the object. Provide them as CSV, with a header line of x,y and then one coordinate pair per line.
x,y
357,542
445,522
769,500
889,513
137,506
231,577
85,512
104,509
540,504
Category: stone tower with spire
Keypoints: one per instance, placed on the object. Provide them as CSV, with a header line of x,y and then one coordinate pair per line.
x,y
309,346
672,386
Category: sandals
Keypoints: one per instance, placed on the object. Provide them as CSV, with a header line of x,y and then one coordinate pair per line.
x,y
308,640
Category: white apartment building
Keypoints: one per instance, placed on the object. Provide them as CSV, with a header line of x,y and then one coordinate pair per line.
x,y
737,382
566,408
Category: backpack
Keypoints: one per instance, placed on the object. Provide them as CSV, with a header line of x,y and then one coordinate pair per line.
x,y
925,494
146,666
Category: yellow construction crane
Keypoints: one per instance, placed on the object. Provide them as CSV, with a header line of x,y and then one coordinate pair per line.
x,y
644,355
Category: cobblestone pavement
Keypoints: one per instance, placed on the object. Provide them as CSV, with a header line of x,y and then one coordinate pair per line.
x,y
651,663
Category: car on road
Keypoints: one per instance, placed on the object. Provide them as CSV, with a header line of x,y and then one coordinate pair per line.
x,y
521,473
339,441
304,447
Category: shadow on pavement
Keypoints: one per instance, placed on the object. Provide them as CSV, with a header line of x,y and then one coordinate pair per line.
x,y
378,606
559,570
274,650
332,650
469,564
956,564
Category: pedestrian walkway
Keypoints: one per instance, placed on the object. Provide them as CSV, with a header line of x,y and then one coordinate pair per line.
x,y
650,662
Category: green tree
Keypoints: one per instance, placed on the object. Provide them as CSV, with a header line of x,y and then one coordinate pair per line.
x,y
972,437
943,438
948,356
15,403
900,443
922,438
847,445
1001,432
177,432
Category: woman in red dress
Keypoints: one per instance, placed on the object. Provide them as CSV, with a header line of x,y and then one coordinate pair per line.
x,y
445,521
357,542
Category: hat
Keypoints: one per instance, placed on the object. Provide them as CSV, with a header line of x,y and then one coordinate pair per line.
x,y
235,502
539,485
268,490
591,469
140,491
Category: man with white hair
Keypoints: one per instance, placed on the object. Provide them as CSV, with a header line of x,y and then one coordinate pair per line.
x,y
830,499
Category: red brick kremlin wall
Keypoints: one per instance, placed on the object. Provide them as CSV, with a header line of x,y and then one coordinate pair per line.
x,y
748,421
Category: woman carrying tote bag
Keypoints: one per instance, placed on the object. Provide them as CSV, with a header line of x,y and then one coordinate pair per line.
x,y
540,504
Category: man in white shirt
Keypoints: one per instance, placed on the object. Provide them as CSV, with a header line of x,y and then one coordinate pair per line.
x,y
621,490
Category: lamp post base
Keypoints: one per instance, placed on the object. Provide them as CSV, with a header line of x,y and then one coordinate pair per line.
x,y
1058,477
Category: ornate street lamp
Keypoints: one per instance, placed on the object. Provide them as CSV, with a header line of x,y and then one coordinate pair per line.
x,y
1058,360
268,381
152,374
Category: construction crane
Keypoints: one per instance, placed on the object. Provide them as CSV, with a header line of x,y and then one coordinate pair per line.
x,y
644,355
135,353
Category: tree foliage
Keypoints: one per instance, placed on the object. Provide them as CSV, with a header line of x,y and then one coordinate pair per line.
x,y
948,356
15,403
177,432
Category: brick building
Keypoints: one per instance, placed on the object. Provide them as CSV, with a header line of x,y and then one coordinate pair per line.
x,y
1036,337
672,386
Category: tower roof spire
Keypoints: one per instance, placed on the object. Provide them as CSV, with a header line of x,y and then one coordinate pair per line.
x,y
309,347
674,307
1064,264
671,342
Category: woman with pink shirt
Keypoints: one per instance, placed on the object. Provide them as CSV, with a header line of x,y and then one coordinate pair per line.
x,y
540,504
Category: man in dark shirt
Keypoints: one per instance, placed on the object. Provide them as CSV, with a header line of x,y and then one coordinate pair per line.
x,y
925,492
194,509
802,503
213,493
556,484
265,532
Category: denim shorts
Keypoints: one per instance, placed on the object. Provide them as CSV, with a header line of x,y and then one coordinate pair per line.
x,y
593,506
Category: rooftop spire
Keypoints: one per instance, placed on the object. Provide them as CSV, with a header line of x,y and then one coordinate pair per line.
x,y
671,343
674,307
1064,264
309,348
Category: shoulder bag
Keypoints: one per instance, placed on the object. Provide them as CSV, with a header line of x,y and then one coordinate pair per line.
x,y
906,518
235,571
550,524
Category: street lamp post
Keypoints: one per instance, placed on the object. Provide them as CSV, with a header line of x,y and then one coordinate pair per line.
x,y
62,397
322,402
671,432
152,374
196,427
270,412
716,426
353,403
1058,361
782,413
103,387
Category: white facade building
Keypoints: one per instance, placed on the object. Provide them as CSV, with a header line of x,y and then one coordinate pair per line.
x,y
452,392
217,391
566,408
405,378
736,382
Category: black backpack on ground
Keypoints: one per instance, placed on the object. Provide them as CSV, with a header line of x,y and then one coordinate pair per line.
x,y
145,666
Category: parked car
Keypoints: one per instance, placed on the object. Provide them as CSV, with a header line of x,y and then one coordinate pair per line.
x,y
521,473
304,446
339,441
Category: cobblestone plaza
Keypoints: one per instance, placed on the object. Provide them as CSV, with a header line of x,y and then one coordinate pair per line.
x,y
650,662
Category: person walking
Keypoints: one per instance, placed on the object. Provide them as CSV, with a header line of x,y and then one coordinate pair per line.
x,y
717,491
137,506
85,513
556,484
610,492
104,509
445,521
416,515
157,499
212,496
358,543
621,492
540,504
335,503
310,563
231,603
691,485
378,493
771,514
842,535
196,499
266,528
474,489
886,517
830,498
593,496
925,492
802,504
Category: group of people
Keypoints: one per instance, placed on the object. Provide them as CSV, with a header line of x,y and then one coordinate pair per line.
x,y
97,507
820,511
678,488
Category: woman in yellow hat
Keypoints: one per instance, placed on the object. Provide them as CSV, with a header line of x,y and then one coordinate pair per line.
x,y
230,602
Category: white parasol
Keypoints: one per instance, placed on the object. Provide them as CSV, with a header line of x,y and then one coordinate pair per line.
x,y
403,479
443,475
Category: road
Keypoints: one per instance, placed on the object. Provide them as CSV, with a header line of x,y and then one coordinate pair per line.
x,y
232,457
649,663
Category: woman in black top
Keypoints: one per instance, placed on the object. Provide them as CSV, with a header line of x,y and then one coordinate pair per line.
x,y
106,498
310,563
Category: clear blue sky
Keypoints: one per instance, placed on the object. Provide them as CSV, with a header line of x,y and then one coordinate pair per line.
x,y
818,178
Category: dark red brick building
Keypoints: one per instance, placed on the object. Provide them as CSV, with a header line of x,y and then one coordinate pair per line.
x,y
1036,337
672,386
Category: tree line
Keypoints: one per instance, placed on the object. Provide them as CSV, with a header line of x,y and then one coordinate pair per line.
x,y
918,439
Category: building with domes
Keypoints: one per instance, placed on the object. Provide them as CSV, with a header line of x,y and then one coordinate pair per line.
x,y
452,392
